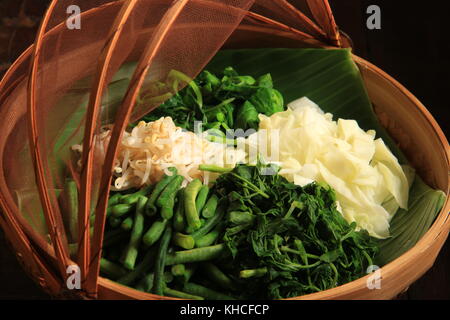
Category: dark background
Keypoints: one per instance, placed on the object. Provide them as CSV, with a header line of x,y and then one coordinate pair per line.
x,y
412,46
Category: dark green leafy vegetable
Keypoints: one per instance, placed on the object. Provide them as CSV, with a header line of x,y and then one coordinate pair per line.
x,y
221,101
247,116
288,240
267,101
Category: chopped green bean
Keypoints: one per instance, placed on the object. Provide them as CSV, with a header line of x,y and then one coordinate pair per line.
x,y
154,232
210,238
214,168
127,224
134,197
114,199
190,195
136,234
202,196
196,255
178,270
184,241
168,207
71,197
146,283
121,209
210,223
150,208
252,273
198,290
179,222
113,237
159,284
140,269
112,269
181,295
168,193
210,207
183,272
114,222
217,276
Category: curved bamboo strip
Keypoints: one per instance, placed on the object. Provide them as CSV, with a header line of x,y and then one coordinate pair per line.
x,y
91,264
54,222
321,11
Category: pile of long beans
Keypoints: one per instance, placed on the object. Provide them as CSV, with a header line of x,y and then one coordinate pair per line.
x,y
160,236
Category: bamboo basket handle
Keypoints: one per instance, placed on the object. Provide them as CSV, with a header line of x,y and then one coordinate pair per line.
x,y
90,265
53,220
323,14
289,14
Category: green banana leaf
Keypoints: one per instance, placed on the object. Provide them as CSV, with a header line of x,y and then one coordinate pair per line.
x,y
331,79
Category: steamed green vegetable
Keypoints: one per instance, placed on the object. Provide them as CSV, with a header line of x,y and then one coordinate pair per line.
x,y
221,101
136,234
190,196
111,269
290,243
201,198
155,232
150,208
160,263
210,207
179,219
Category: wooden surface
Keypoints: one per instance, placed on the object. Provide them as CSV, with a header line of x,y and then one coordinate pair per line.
x,y
411,46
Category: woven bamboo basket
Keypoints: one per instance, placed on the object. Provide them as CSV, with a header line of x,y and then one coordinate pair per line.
x,y
267,24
